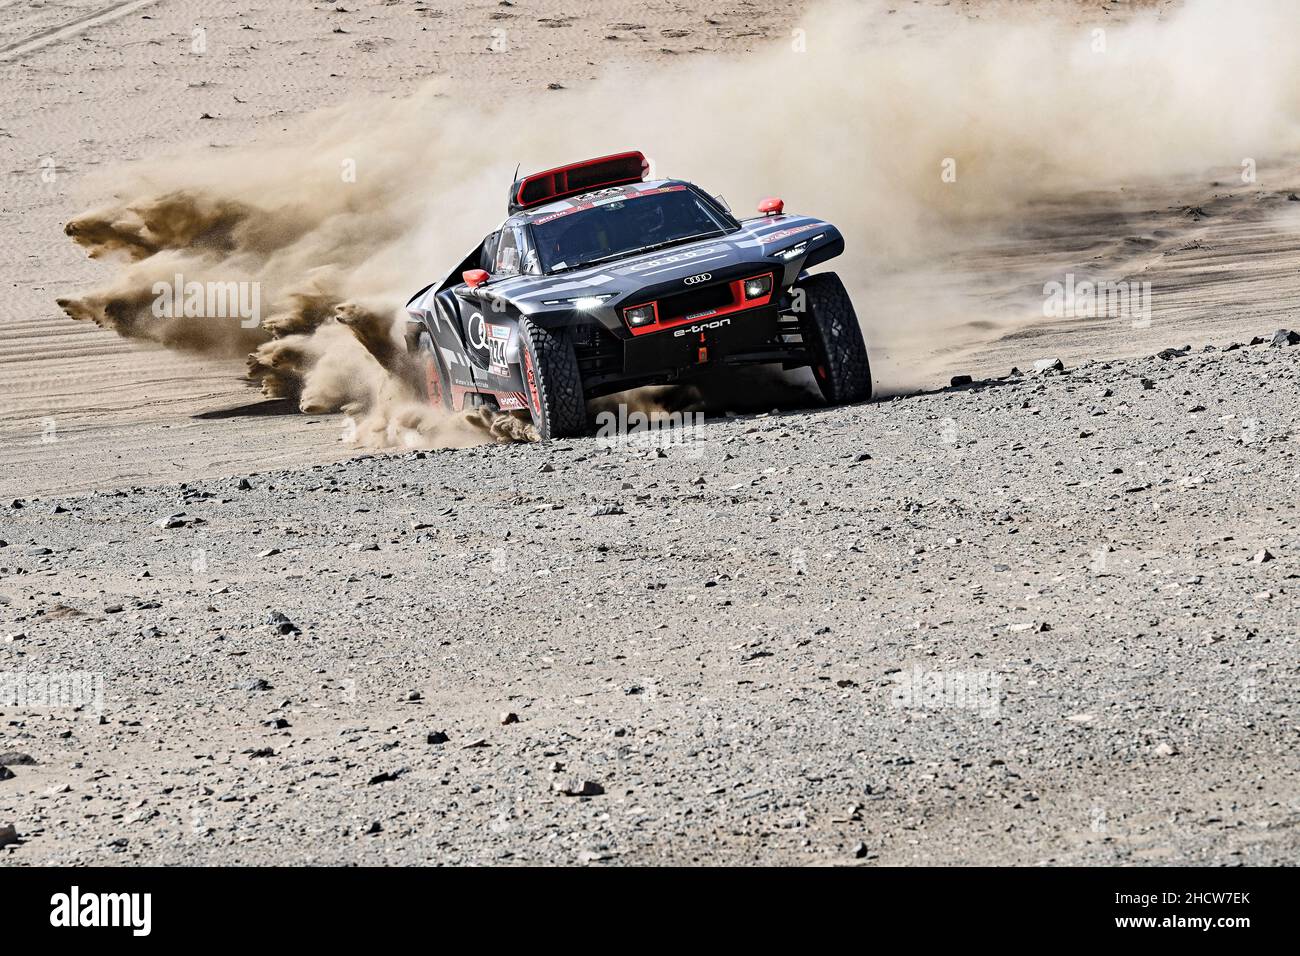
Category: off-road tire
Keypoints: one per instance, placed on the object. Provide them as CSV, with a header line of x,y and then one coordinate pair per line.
x,y
833,336
552,381
437,387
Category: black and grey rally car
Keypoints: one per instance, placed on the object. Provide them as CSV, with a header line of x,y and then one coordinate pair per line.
x,y
600,281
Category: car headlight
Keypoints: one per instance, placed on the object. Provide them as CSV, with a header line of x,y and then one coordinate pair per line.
x,y
794,252
640,315
758,287
583,303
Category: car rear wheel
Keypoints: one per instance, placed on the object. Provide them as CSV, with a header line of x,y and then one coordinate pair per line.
x,y
436,388
831,330
552,381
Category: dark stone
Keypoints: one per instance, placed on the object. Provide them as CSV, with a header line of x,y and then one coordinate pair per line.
x,y
282,623
578,788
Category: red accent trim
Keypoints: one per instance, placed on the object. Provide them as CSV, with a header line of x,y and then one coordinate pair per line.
x,y
738,304
475,277
511,400
432,380
505,400
530,379
458,395
772,206
638,329
554,183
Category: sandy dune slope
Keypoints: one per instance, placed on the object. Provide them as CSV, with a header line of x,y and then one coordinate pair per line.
x,y
124,84
90,85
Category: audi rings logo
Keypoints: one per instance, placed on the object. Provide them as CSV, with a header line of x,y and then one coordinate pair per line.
x,y
696,280
477,331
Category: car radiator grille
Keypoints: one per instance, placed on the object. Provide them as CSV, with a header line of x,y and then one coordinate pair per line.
x,y
694,301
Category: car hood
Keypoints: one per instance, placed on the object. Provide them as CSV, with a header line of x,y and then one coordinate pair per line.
x,y
759,245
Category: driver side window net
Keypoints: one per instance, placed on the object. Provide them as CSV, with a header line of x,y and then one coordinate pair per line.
x,y
507,254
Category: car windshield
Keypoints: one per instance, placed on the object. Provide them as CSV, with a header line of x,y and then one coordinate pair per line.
x,y
623,225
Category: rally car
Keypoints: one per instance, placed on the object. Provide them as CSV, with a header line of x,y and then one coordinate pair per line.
x,y
600,280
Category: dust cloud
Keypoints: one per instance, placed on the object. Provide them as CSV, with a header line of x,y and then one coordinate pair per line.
x,y
923,133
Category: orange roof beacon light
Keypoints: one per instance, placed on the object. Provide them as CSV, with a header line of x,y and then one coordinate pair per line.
x,y
474,277
772,206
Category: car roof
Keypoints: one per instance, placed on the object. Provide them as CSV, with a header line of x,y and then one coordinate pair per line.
x,y
574,203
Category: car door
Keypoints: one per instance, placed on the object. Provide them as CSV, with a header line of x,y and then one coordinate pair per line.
x,y
446,318
484,339
465,307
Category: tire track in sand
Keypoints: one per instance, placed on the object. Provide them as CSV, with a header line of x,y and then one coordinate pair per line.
x,y
12,51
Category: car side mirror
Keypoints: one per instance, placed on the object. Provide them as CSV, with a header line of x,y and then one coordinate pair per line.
x,y
772,207
475,277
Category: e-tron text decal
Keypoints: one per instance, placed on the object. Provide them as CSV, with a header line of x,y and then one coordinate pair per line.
x,y
702,327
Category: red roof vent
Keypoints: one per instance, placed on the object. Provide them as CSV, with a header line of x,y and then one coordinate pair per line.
x,y
573,180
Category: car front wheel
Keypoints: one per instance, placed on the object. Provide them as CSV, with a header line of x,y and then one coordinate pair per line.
x,y
833,336
552,381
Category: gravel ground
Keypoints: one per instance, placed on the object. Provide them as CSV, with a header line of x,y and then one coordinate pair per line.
x,y
1043,619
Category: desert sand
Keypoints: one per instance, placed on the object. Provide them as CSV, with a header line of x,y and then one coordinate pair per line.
x,y
99,96
287,624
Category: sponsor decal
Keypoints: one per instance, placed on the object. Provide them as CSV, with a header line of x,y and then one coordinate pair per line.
x,y
604,196
685,256
786,233
498,337
477,329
